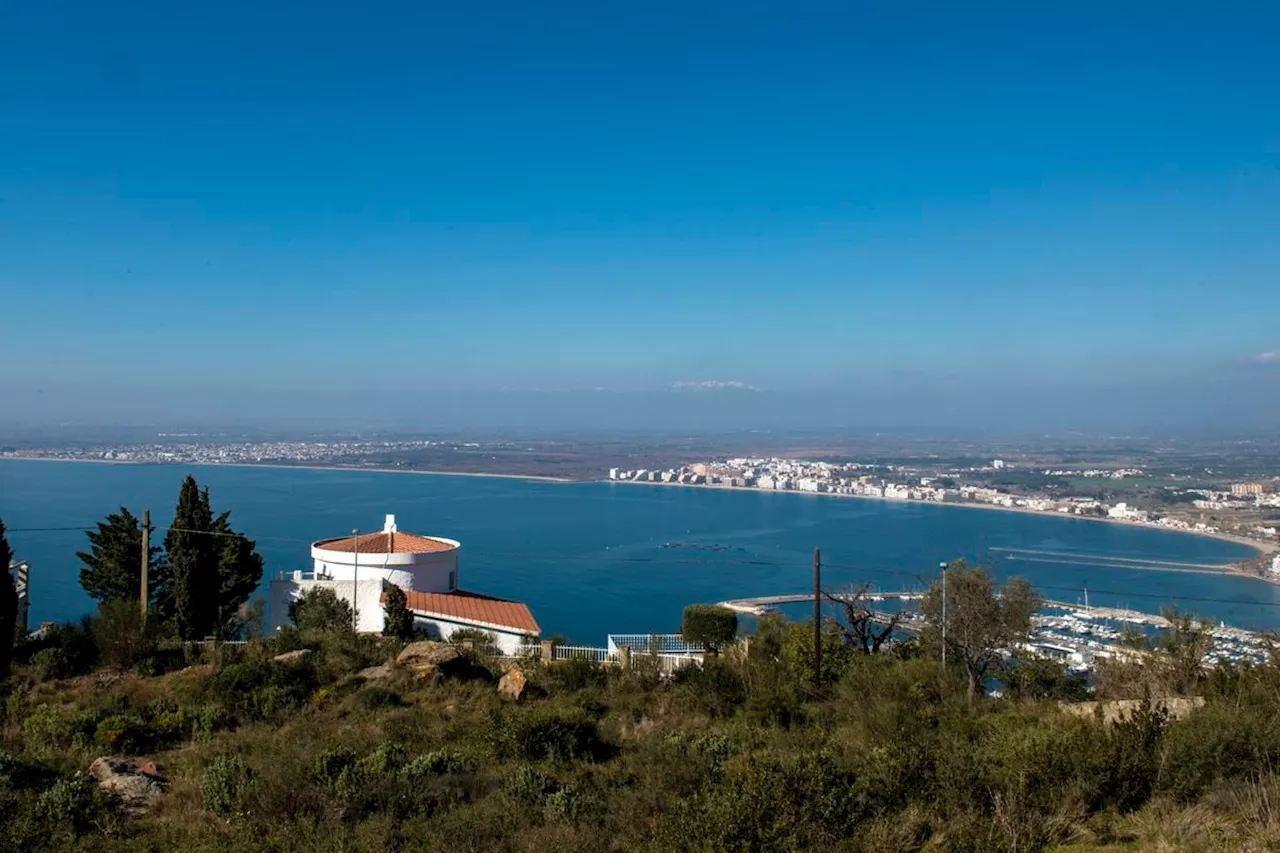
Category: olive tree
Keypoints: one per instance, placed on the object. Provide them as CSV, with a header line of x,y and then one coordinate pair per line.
x,y
982,619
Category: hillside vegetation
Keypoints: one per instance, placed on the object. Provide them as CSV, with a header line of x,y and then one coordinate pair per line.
x,y
744,754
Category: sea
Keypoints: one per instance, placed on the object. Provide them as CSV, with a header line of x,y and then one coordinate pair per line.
x,y
596,558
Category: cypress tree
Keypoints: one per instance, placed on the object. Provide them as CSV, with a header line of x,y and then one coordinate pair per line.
x,y
8,605
239,569
113,563
211,568
397,620
193,563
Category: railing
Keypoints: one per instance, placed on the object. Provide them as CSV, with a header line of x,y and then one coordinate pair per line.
x,y
591,653
659,643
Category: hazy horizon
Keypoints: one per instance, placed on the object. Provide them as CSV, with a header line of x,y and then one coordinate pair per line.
x,y
425,216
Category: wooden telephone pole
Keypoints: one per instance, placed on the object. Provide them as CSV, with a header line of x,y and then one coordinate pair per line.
x,y
146,561
817,619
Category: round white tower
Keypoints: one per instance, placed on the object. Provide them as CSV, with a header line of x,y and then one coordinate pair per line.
x,y
412,562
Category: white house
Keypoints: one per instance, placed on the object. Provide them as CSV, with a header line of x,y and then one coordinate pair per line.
x,y
359,569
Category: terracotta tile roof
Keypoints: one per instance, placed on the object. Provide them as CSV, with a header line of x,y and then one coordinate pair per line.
x,y
474,607
387,543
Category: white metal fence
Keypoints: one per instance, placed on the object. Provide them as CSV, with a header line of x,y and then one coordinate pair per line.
x,y
591,653
655,643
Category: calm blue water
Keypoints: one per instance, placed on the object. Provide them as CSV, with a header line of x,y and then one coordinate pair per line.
x,y
589,558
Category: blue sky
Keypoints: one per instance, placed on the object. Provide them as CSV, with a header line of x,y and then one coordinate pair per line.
x,y
637,214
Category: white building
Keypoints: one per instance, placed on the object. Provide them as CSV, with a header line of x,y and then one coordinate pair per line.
x,y
1275,564
613,473
997,464
360,568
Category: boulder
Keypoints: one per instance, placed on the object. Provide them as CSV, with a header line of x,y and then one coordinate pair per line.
x,y
513,684
139,786
375,673
437,661
300,656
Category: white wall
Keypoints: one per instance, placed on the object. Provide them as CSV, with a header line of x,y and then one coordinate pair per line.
x,y
443,629
368,595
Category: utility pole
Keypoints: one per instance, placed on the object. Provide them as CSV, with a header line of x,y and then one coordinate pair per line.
x,y
355,581
146,562
817,619
943,566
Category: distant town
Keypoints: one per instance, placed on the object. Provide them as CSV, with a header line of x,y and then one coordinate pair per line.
x,y
1221,487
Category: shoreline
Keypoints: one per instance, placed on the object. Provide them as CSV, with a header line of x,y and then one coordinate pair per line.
x,y
1234,568
541,478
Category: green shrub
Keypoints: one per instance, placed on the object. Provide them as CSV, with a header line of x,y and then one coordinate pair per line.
x,y
51,663
435,763
261,690
227,784
18,773
122,636
73,804
74,640
530,785
211,717
541,734
46,727
336,765
715,688
481,642
386,760
576,674
567,805
710,626
776,707
123,733
712,751
321,610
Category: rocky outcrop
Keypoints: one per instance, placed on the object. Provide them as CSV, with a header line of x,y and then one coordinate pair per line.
x,y
1177,707
375,673
438,661
139,786
299,656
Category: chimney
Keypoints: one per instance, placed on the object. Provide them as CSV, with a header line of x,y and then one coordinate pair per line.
x,y
390,529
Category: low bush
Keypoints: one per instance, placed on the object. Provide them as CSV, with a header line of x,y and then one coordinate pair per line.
x,y
543,733
74,805
436,763
122,636
386,760
715,688
226,786
261,690
576,674
336,766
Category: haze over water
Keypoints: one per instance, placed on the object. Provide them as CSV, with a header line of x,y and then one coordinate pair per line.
x,y
598,558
